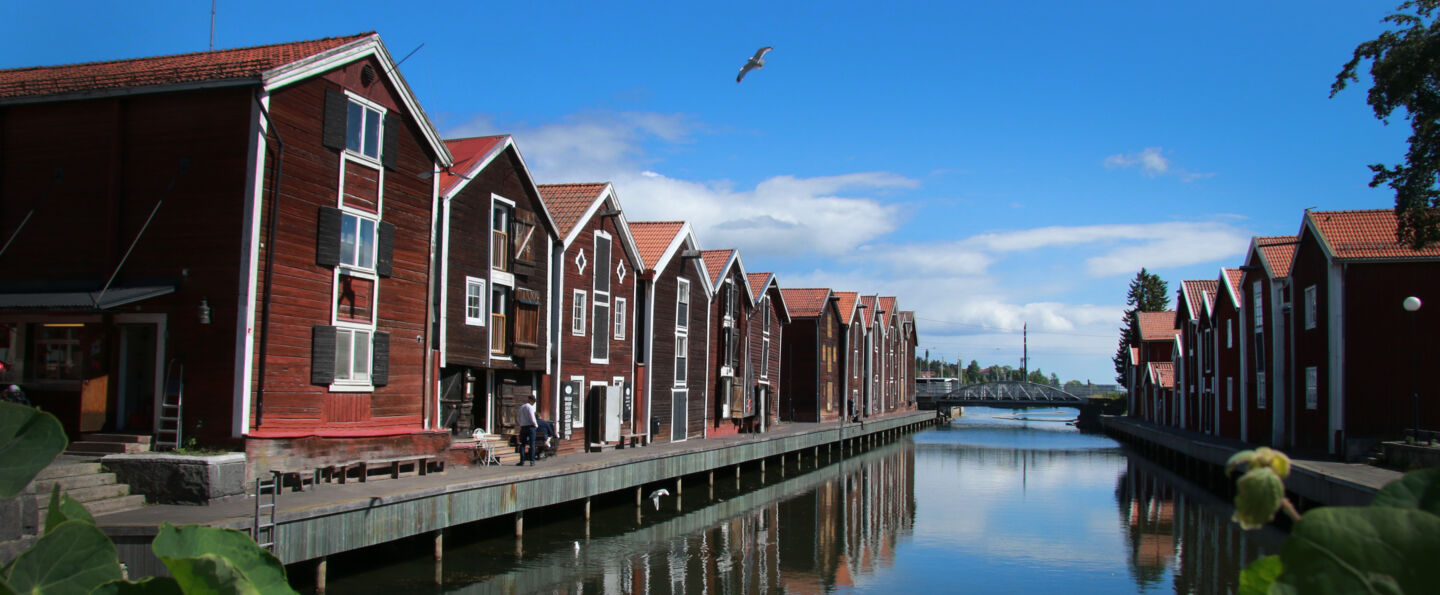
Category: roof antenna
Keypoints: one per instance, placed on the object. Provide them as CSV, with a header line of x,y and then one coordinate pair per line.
x,y
407,57
212,25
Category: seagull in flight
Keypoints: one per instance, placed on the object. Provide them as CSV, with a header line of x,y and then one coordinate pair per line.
x,y
756,61
656,495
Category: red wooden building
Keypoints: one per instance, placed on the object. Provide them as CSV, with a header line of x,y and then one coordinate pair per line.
x,y
734,374
852,346
1157,344
673,330
253,223
909,340
1354,343
593,363
767,343
494,299
1265,319
812,363
1229,351
1192,363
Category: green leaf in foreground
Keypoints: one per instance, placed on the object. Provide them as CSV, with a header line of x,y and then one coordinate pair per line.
x,y
155,585
209,573
1417,489
74,558
29,440
1371,549
261,567
1258,576
64,508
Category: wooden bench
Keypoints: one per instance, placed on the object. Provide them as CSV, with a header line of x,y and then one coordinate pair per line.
x,y
421,462
634,440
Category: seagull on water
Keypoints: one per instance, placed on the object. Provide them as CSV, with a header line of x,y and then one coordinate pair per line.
x,y
756,61
656,495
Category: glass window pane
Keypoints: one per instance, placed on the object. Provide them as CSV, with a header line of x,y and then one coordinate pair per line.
x,y
372,133
342,355
362,355
348,226
367,244
355,122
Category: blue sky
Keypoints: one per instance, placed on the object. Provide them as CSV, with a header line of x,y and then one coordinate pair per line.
x,y
989,165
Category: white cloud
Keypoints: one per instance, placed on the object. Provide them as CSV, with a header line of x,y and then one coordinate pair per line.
x,y
1152,163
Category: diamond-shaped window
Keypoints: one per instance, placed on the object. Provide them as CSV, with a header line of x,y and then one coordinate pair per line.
x,y
620,271
580,261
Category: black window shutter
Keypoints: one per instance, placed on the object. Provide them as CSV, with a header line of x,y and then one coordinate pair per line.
x,y
336,108
385,262
322,354
380,350
327,238
389,155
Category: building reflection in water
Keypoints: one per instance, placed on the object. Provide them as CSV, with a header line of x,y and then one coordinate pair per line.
x,y
1179,532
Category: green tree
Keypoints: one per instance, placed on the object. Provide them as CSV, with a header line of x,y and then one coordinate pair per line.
x,y
1054,379
1405,71
1148,293
972,372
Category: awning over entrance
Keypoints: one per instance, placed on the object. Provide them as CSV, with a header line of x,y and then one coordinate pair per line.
x,y
82,300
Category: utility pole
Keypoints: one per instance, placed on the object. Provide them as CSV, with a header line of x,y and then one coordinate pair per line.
x,y
1025,352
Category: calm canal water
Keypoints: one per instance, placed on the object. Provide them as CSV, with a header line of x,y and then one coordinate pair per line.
x,y
996,502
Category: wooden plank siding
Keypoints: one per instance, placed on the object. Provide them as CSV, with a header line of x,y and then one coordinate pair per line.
x,y
1257,418
293,407
121,156
661,375
814,381
743,318
769,375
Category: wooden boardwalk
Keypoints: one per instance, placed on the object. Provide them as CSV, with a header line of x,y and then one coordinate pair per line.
x,y
1322,481
336,518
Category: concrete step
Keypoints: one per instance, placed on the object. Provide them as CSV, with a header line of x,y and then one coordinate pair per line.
x,y
106,506
85,447
55,471
74,482
125,438
93,493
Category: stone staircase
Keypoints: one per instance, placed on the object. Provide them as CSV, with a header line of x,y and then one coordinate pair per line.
x,y
88,484
99,445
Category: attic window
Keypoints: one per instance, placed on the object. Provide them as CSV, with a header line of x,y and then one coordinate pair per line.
x,y
362,130
367,75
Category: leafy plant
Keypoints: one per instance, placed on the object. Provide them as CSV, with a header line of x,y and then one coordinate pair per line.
x,y
73,556
1387,547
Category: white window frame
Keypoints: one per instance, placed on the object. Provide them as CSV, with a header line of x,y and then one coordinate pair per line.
x,y
379,111
1260,390
1310,308
1229,393
578,312
507,309
618,312
352,382
1257,300
361,217
1230,334
765,357
1312,387
475,288
682,359
682,297
601,299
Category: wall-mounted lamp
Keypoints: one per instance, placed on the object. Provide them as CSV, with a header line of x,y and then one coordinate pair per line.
x,y
203,311
608,213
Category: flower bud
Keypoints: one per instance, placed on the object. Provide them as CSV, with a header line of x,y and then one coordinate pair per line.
x,y
1258,495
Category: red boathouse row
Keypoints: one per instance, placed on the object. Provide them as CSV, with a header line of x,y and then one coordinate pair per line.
x,y
279,239
1305,346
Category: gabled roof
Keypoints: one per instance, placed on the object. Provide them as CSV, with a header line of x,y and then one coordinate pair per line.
x,y
887,304
1163,374
1134,355
573,205
761,283
1367,235
1156,326
1276,254
271,66
718,263
908,317
868,303
661,241
1231,287
847,303
473,155
1193,291
807,303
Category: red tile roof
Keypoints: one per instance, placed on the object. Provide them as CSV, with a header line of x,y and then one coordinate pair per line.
x,y
1365,235
1233,276
715,263
1278,251
806,303
1164,373
869,313
568,202
218,65
847,304
758,282
1134,355
1157,326
888,305
468,153
1194,290
654,237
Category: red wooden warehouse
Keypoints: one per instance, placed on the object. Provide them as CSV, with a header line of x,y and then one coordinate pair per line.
x,y
1229,355
593,397
672,330
812,363
767,342
1265,326
253,225
734,375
